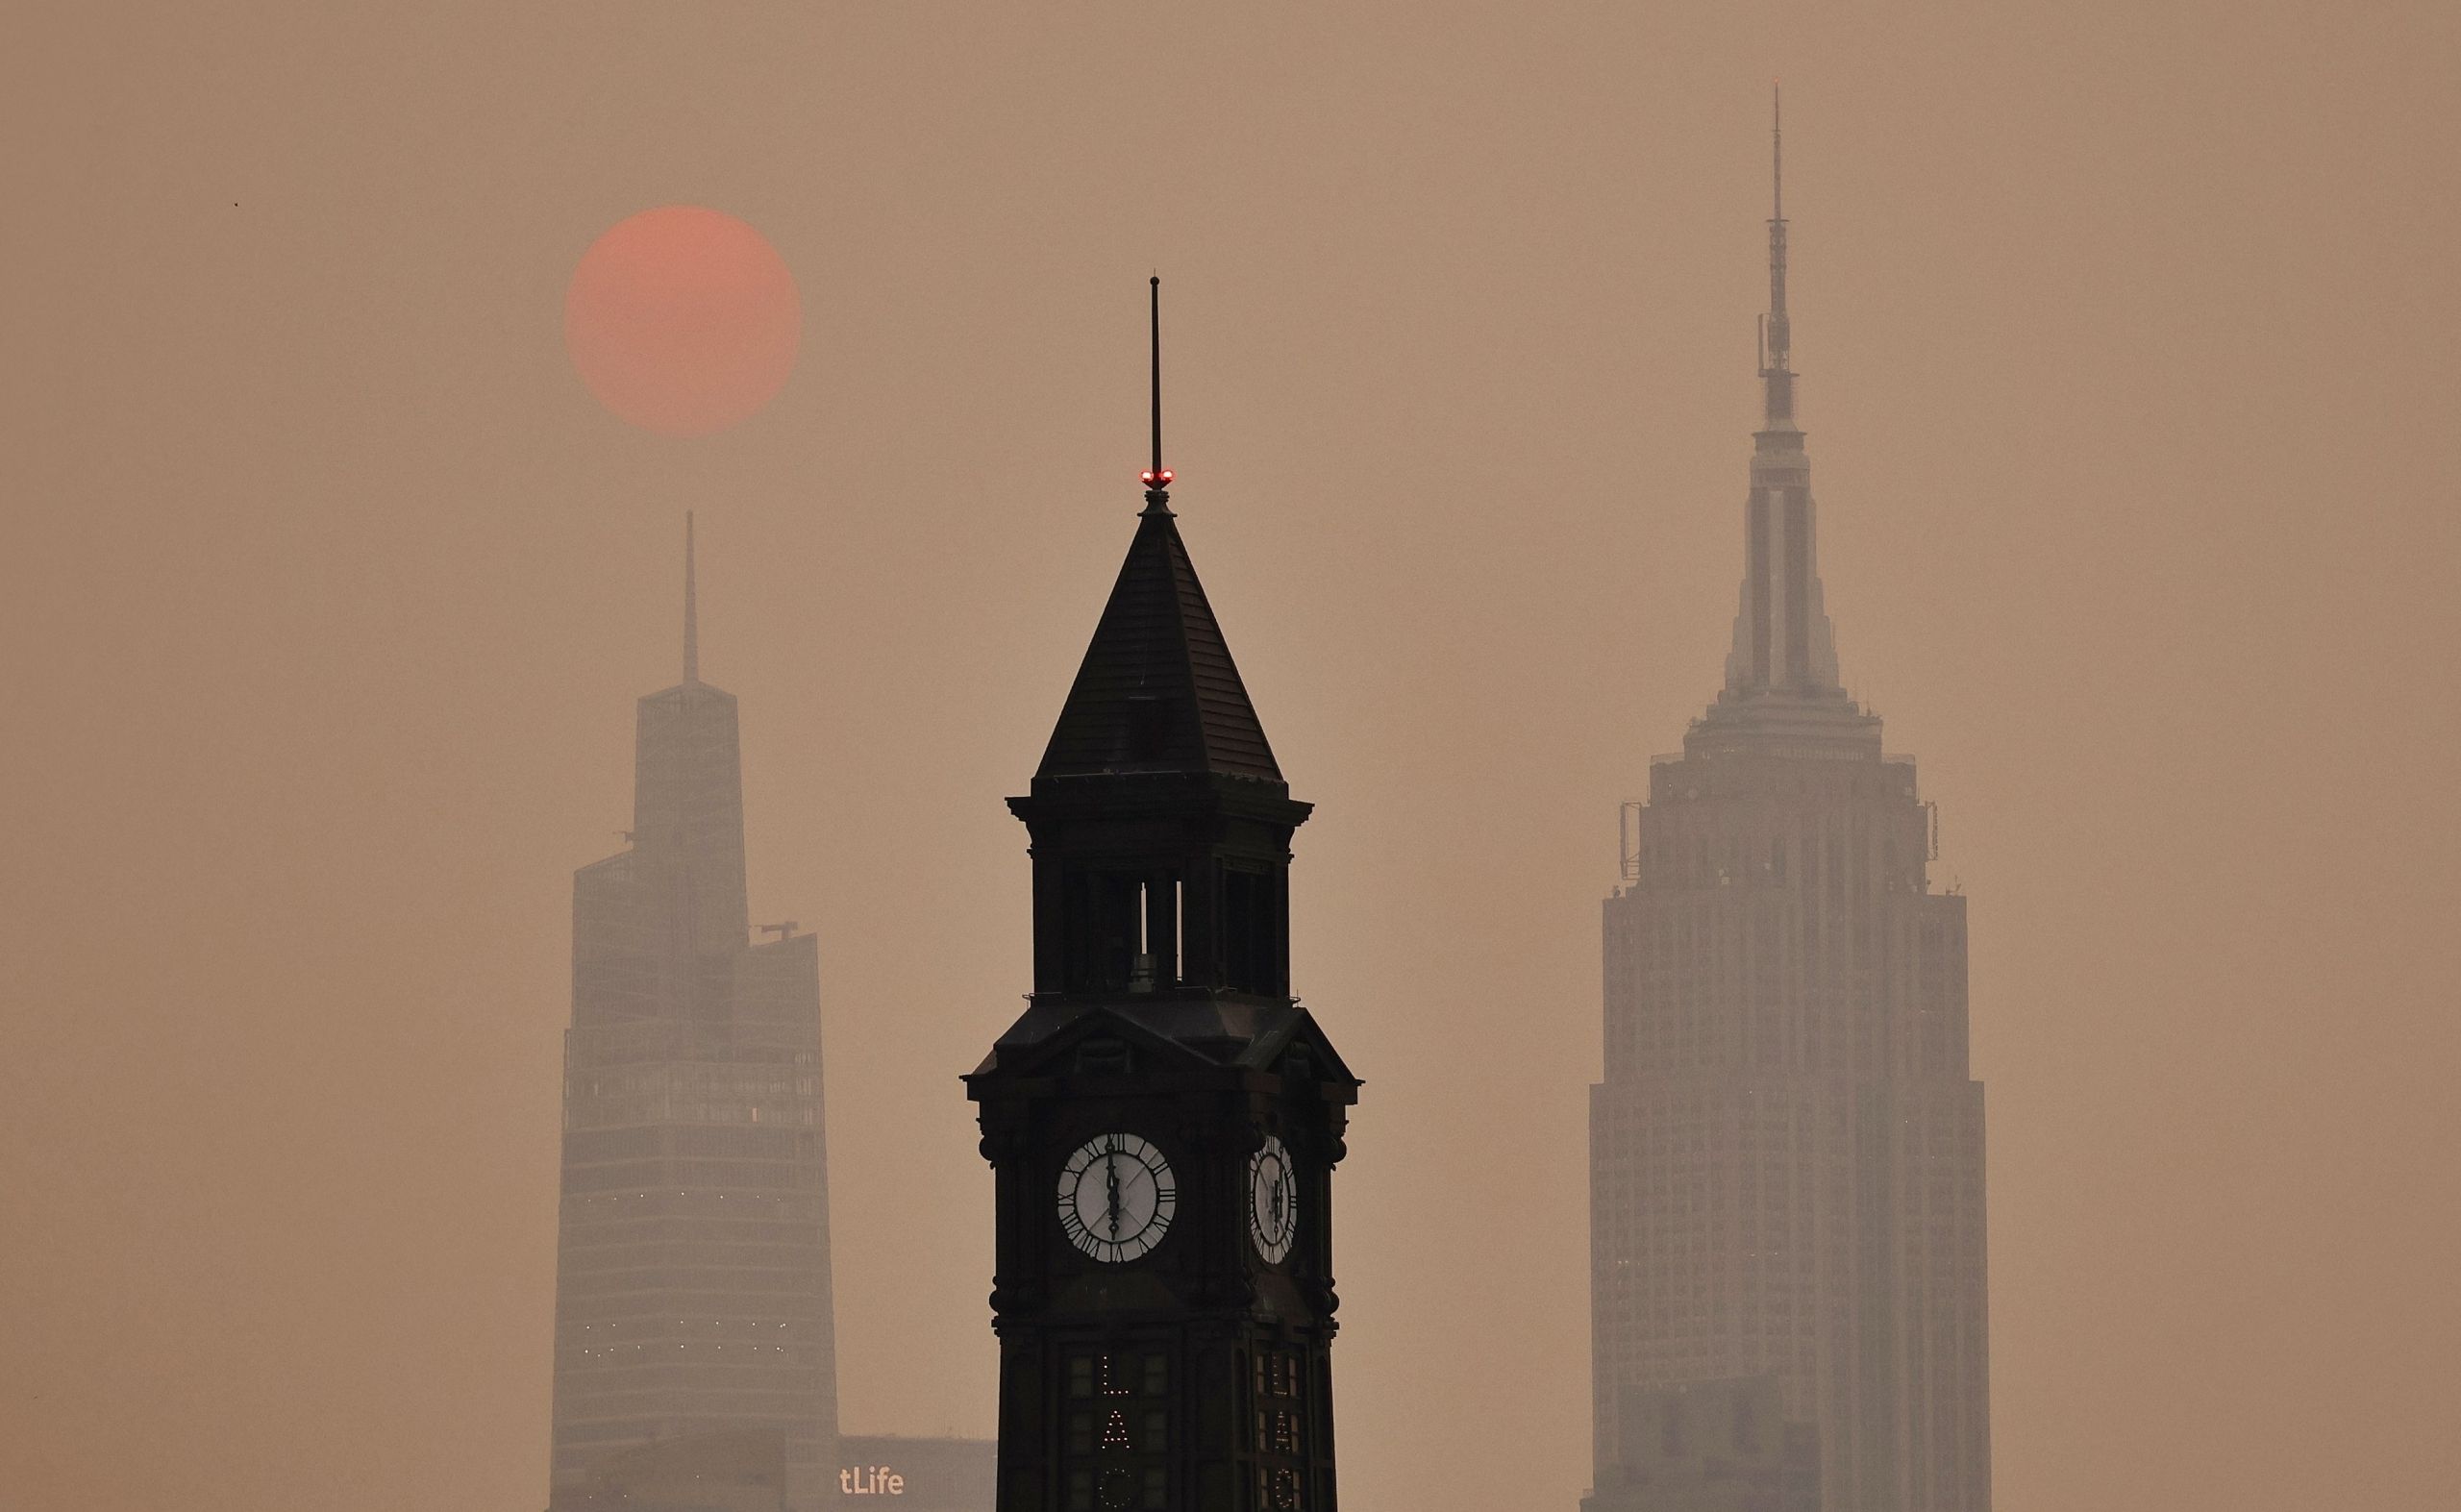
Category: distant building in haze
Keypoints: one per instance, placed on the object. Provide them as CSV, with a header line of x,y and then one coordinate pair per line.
x,y
1709,1446
692,1280
1786,1154
719,1472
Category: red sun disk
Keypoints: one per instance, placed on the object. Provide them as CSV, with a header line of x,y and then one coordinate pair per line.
x,y
683,320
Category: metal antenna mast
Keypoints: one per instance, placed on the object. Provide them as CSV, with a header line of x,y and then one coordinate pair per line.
x,y
1158,478
1777,338
691,610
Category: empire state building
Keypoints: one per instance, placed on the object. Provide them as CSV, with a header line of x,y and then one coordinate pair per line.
x,y
1786,1151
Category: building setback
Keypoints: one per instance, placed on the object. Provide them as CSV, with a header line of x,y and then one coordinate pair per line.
x,y
692,1283
1786,1152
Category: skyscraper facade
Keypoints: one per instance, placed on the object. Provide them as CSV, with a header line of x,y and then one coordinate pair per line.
x,y
692,1283
1786,1151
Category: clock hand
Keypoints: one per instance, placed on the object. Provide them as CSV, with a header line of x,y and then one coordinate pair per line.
x,y
1111,1172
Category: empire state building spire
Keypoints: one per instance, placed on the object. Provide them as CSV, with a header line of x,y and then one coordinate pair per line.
x,y
1775,337
1784,652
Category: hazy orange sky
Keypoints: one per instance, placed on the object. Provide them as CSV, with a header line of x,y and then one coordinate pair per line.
x,y
2126,333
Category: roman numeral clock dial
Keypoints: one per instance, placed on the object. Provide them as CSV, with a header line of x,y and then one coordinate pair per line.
x,y
1116,1196
1272,1201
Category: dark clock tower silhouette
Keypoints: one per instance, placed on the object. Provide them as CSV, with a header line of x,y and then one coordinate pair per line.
x,y
1164,1119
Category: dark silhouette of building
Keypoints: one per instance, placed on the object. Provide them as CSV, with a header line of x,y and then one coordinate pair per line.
x,y
692,1289
1164,1118
1786,1152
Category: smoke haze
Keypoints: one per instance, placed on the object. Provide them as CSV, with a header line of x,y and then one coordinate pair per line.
x,y
329,589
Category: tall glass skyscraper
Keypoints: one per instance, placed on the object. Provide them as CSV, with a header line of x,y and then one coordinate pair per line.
x,y
693,1285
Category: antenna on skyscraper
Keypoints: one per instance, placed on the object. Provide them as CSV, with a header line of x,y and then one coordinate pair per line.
x,y
1777,340
691,610
1776,152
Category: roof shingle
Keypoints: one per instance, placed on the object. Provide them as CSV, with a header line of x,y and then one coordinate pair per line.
x,y
1158,691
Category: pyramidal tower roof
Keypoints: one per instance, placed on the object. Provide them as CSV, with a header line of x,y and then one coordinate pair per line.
x,y
1157,690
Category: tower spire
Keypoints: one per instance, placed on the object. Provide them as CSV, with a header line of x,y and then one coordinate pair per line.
x,y
1157,478
1782,639
691,610
1777,376
1776,152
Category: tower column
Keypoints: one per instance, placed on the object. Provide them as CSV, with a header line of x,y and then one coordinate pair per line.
x,y
1164,1117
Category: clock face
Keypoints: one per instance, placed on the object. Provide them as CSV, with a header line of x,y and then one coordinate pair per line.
x,y
1273,1201
1117,1196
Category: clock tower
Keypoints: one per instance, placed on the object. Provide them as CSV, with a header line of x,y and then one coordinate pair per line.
x,y
1164,1119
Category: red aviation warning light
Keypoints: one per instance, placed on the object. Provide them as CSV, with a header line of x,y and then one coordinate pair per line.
x,y
1152,478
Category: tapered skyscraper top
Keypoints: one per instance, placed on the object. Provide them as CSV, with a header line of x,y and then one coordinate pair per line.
x,y
1781,676
688,797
